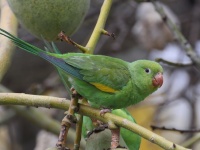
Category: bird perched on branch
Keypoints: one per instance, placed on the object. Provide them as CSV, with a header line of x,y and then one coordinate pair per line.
x,y
104,81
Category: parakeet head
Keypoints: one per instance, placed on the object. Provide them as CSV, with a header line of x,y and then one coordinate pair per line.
x,y
147,75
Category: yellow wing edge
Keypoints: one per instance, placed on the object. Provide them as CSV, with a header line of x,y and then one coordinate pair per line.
x,y
103,88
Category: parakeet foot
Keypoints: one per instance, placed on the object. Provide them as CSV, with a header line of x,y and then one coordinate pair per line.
x,y
98,129
103,111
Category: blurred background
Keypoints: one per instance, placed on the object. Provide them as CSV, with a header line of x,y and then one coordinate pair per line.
x,y
140,34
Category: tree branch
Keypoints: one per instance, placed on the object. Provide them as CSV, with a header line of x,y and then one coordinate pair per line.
x,y
62,103
38,118
192,140
180,37
174,129
94,38
173,63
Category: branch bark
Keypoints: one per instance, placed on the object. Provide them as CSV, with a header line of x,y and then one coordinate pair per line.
x,y
94,38
62,103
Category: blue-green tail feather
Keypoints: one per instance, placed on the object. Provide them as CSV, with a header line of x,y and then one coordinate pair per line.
x,y
20,43
60,63
49,55
53,48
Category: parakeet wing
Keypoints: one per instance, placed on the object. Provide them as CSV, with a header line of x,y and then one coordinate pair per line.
x,y
102,72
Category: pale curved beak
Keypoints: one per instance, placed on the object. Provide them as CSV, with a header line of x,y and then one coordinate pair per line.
x,y
158,80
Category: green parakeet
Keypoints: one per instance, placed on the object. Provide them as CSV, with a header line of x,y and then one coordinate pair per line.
x,y
104,81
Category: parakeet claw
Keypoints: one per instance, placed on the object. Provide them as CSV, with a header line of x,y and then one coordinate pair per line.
x,y
98,129
103,111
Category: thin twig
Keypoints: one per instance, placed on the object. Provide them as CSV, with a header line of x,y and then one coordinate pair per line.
x,y
68,120
177,33
108,34
173,63
98,30
174,129
192,140
78,132
67,39
94,38
62,103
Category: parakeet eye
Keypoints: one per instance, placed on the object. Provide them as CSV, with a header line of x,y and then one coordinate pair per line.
x,y
147,70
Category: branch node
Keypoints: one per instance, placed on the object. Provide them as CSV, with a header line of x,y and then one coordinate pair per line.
x,y
164,18
108,33
67,39
174,145
152,139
